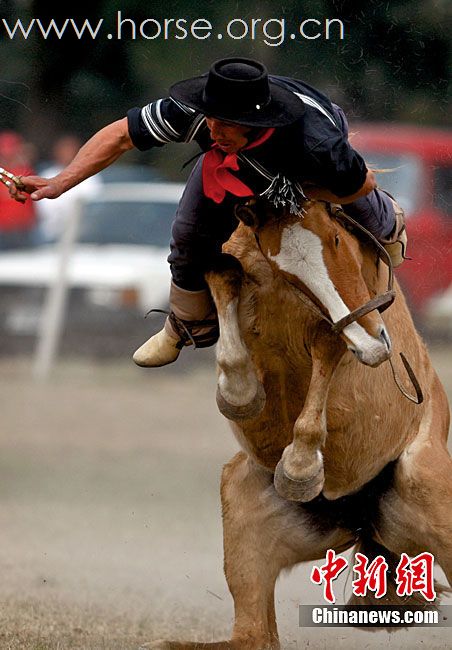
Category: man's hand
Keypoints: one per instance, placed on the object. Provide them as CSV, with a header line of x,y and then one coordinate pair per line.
x,y
100,151
37,187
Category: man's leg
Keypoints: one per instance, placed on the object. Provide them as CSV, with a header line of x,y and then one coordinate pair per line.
x,y
199,230
384,218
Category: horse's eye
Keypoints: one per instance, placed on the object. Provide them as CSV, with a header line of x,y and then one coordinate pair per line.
x,y
336,240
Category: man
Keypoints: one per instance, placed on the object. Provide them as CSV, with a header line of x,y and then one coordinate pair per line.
x,y
262,135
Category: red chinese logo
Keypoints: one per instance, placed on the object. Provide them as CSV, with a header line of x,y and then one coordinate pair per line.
x,y
411,575
372,577
416,575
329,572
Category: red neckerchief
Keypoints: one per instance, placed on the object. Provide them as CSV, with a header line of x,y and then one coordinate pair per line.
x,y
216,176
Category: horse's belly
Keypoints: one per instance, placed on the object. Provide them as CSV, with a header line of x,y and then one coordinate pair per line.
x,y
369,423
354,456
265,450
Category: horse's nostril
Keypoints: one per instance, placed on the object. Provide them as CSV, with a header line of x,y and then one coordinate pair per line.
x,y
358,354
384,337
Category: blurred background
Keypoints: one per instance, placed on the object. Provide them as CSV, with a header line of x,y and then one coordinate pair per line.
x,y
108,473
390,71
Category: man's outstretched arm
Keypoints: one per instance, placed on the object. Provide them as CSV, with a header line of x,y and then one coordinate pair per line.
x,y
100,151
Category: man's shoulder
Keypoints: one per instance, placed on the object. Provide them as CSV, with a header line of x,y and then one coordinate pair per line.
x,y
320,114
302,89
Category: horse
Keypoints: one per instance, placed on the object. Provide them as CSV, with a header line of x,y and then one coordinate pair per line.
x,y
333,455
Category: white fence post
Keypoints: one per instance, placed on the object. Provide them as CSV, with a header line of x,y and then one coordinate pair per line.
x,y
54,309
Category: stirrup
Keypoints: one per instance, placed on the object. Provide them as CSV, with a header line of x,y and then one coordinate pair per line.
x,y
184,329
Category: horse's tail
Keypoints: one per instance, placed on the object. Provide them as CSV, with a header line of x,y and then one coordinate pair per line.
x,y
371,549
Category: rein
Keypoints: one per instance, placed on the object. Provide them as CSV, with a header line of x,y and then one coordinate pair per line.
x,y
381,302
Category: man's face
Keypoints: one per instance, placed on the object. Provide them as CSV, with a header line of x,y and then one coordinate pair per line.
x,y
229,137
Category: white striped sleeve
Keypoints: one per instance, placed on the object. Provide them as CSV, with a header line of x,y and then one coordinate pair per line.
x,y
170,121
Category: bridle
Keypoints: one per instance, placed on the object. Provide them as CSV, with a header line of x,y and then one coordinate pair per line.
x,y
380,302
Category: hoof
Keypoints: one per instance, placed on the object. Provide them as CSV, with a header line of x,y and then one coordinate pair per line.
x,y
245,412
302,490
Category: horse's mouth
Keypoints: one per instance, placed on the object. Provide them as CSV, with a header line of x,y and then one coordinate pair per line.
x,y
378,350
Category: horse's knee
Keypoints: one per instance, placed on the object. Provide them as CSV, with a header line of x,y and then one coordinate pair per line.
x,y
242,480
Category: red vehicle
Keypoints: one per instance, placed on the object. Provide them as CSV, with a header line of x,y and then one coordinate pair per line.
x,y
420,160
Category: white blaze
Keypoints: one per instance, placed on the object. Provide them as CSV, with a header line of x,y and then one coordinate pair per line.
x,y
301,255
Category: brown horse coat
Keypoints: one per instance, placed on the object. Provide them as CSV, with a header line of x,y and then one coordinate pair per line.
x,y
294,390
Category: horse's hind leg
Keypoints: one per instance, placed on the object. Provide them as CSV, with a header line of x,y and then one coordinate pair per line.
x,y
262,535
416,515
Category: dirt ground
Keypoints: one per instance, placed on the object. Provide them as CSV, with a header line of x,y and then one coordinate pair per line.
x,y
110,518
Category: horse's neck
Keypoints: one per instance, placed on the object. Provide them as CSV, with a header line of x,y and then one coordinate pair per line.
x,y
374,271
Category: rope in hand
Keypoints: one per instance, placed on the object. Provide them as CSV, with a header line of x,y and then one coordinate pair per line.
x,y
9,179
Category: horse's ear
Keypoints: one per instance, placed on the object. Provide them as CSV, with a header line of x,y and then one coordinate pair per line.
x,y
248,213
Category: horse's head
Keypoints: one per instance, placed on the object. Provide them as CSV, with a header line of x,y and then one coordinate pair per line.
x,y
327,263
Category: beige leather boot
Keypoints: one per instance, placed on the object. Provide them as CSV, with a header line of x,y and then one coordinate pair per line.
x,y
159,350
192,321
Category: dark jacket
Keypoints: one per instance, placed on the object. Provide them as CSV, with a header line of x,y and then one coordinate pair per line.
x,y
313,149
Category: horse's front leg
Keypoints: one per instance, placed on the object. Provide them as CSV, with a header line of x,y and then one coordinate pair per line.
x,y
299,475
240,394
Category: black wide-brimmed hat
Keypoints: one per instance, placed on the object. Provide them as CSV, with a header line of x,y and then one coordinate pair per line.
x,y
238,90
